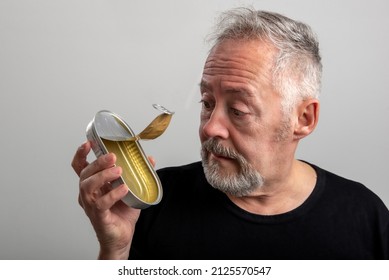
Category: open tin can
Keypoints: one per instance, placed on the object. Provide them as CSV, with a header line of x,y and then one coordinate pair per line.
x,y
109,133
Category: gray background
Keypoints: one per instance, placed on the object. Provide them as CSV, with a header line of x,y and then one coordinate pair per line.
x,y
62,61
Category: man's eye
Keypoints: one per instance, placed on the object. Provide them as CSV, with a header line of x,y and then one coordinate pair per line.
x,y
237,113
206,105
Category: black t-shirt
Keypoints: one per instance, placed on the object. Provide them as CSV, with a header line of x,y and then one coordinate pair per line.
x,y
341,219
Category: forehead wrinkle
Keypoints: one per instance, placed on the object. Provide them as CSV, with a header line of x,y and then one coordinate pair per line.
x,y
227,66
228,78
246,65
241,91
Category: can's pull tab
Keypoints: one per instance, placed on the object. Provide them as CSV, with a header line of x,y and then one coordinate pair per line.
x,y
157,127
162,109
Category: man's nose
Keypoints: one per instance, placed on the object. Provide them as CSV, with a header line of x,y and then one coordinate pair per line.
x,y
216,125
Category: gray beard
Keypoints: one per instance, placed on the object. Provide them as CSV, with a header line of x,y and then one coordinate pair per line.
x,y
239,184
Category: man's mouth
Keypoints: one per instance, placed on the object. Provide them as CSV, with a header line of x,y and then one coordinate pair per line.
x,y
220,156
212,150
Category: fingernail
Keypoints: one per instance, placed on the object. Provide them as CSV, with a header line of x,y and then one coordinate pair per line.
x,y
109,157
124,189
82,147
116,170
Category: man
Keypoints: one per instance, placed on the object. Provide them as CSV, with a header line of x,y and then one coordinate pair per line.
x,y
249,198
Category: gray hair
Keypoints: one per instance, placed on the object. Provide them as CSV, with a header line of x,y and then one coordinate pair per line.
x,y
297,68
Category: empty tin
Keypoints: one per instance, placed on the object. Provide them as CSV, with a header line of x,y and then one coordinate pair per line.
x,y
109,133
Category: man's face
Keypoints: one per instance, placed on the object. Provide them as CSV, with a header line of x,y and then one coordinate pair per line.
x,y
243,131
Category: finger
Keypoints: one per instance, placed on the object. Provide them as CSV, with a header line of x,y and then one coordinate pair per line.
x,y
95,186
106,201
104,189
151,160
79,161
80,202
101,163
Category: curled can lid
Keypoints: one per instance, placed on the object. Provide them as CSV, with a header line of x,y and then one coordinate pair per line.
x,y
109,127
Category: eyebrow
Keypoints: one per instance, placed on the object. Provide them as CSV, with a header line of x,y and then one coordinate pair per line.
x,y
234,90
237,90
204,85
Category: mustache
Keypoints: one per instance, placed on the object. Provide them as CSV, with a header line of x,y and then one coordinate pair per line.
x,y
213,146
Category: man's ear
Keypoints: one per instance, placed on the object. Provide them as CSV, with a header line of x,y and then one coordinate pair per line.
x,y
308,117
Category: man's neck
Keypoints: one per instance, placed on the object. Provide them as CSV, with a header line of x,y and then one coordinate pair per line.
x,y
281,197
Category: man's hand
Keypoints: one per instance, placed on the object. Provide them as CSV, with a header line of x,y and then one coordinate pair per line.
x,y
113,221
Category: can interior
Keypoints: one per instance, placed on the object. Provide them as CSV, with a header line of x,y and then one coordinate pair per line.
x,y
137,173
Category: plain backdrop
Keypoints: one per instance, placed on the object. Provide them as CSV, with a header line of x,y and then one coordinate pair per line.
x,y
62,61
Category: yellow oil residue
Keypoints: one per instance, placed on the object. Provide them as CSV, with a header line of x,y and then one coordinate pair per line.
x,y
136,173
